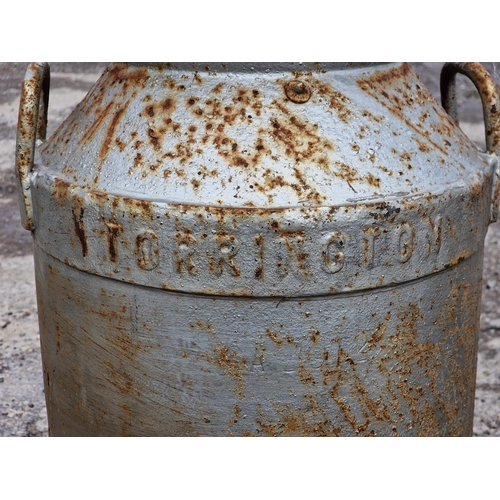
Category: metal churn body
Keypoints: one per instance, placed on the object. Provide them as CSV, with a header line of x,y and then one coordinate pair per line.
x,y
258,249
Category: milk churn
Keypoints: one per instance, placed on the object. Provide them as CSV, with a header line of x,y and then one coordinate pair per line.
x,y
258,250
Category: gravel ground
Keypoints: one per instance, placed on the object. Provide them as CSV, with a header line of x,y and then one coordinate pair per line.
x,y
22,404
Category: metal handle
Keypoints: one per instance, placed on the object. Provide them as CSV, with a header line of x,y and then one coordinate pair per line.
x,y
31,126
491,113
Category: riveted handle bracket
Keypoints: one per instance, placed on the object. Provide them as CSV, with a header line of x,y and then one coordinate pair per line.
x,y
491,113
31,127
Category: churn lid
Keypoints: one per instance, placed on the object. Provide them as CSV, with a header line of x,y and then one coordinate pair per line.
x,y
260,135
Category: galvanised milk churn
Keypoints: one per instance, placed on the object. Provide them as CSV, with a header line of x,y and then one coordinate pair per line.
x,y
258,249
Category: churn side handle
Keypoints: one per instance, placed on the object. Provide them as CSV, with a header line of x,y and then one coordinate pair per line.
x,y
31,127
491,110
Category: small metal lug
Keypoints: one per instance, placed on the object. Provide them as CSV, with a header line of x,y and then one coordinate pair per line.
x,y
297,91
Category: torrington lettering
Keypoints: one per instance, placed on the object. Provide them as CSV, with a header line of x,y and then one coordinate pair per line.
x,y
276,254
209,250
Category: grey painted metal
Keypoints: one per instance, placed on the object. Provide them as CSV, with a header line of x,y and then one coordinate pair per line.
x,y
260,249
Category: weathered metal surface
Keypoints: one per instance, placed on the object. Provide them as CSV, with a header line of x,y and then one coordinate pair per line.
x,y
234,139
280,252
32,126
260,249
126,360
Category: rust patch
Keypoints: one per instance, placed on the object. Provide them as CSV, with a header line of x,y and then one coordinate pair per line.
x,y
97,121
154,139
314,334
140,207
80,230
121,145
303,371
229,150
159,121
122,73
302,188
293,242
119,378
350,175
217,89
461,255
298,139
259,243
203,326
232,364
114,230
344,374
61,189
109,136
183,257
336,100
147,250
121,341
372,180
223,257
422,146
121,78
398,90
309,420
275,337
126,420
197,78
376,337
204,172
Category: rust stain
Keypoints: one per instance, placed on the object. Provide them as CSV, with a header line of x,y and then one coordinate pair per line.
x,y
460,256
398,90
80,230
286,131
232,364
304,372
119,378
109,135
227,249
314,334
114,230
203,326
147,250
99,117
403,353
236,417
309,420
259,243
122,341
302,188
336,100
183,258
377,335
61,189
159,121
126,420
275,337
372,180
217,88
298,139
344,375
